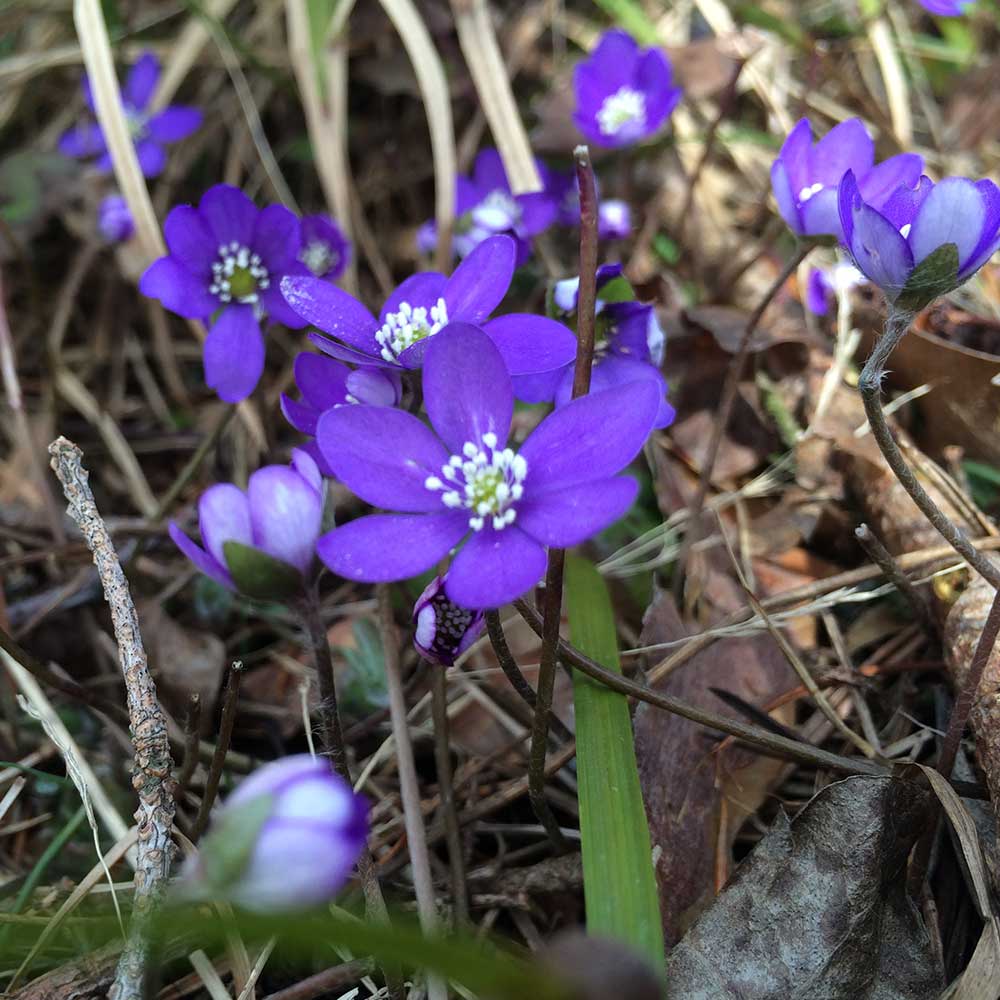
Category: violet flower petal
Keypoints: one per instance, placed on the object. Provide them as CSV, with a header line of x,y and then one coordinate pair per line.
x,y
568,516
488,173
321,380
224,516
82,140
303,418
986,246
494,567
276,238
190,240
481,281
202,560
233,354
285,511
383,455
593,437
531,344
540,387
613,60
954,212
228,213
654,77
422,289
174,123
177,289
382,548
278,310
141,81
332,310
847,146
467,390
342,352
375,386
152,157
879,183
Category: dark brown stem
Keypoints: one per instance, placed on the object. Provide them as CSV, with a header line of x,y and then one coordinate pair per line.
x,y
230,700
725,409
332,735
870,387
883,558
442,759
967,695
517,679
327,981
586,306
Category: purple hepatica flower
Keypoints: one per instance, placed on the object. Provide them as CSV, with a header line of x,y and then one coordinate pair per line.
x,y
623,93
946,8
822,285
805,177
462,481
426,303
149,131
262,542
324,384
325,249
226,255
444,631
485,207
925,240
286,839
114,220
614,218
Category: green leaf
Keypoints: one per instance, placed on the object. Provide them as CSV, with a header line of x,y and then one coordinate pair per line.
x,y
617,290
618,880
363,689
226,850
629,15
259,575
933,276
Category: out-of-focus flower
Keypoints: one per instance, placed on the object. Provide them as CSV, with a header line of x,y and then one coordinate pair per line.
x,y
324,384
261,543
424,305
150,131
325,249
805,176
614,217
947,8
925,240
623,93
462,482
443,629
114,220
485,207
824,284
227,258
285,840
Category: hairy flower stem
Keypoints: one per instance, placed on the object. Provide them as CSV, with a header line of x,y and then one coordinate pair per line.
x,y
552,612
332,737
870,387
409,786
726,401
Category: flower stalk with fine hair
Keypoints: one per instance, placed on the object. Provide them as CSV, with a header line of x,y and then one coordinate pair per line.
x,y
462,481
624,94
285,840
150,131
261,543
227,259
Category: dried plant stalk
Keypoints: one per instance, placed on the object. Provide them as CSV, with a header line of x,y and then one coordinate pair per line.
x,y
147,723
489,74
96,48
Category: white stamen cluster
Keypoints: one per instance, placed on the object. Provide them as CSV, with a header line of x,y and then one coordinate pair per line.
x,y
808,192
408,326
622,108
484,480
237,261
319,257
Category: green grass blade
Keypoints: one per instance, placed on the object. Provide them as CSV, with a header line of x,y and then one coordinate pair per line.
x,y
619,883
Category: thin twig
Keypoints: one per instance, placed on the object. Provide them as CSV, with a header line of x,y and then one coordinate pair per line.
x,y
192,729
726,400
326,981
409,787
147,723
883,558
230,700
442,759
517,679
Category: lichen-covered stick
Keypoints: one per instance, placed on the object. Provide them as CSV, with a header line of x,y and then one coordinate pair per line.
x,y
153,763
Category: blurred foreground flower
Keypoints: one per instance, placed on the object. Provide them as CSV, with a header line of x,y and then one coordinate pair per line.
x,y
947,8
805,176
325,249
286,839
623,93
485,207
227,259
424,305
324,384
614,217
461,481
925,240
114,220
443,629
823,284
261,543
149,131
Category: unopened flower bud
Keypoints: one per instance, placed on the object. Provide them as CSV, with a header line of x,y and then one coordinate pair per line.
x,y
444,630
